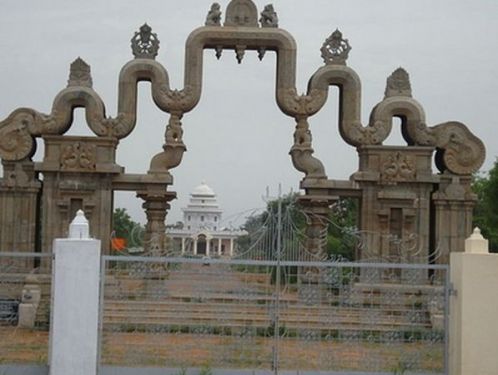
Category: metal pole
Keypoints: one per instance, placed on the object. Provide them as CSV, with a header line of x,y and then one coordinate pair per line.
x,y
447,296
277,282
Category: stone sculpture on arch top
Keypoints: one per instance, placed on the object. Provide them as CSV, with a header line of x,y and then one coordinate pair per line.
x,y
393,183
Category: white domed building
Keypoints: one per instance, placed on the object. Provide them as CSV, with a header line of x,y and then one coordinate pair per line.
x,y
203,233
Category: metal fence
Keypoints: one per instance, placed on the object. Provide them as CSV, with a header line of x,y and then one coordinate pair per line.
x,y
25,289
274,315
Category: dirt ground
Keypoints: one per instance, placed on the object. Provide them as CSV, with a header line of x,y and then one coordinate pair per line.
x,y
218,351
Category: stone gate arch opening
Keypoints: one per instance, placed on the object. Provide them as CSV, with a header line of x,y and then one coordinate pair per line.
x,y
401,196
396,137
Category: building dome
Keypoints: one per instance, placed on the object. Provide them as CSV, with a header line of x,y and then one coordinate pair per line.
x,y
202,232
204,190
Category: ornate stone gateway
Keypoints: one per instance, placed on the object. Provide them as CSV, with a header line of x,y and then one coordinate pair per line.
x,y
400,195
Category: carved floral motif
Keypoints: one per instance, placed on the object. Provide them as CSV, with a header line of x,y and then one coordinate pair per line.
x,y
144,43
335,49
373,134
304,104
177,100
79,74
78,156
398,167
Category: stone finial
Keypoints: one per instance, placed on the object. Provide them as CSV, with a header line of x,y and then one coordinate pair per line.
x,y
79,74
241,13
214,15
335,49
398,84
476,243
269,17
145,43
79,228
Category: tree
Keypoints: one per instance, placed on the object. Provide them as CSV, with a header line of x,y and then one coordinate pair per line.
x,y
486,210
126,228
342,224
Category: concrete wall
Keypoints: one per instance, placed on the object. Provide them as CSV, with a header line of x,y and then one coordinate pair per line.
x,y
474,310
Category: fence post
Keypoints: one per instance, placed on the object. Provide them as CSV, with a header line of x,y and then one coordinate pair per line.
x,y
473,307
75,302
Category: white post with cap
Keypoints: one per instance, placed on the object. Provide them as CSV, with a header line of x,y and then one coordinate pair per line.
x,y
75,302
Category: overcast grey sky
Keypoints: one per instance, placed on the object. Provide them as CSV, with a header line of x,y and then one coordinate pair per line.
x,y
237,139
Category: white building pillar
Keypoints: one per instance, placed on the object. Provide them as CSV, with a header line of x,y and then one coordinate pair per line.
x,y
208,243
231,247
195,246
219,246
183,245
75,302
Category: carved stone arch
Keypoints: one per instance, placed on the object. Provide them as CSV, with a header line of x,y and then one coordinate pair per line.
x,y
410,112
271,39
77,97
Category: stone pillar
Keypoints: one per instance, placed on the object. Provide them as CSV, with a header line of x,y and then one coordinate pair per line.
x,y
473,307
219,246
156,206
195,246
231,247
19,191
208,245
183,245
317,210
454,202
75,309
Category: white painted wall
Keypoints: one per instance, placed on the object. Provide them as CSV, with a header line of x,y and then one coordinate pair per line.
x,y
474,310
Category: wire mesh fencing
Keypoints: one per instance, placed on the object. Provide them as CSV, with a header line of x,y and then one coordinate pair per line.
x,y
270,315
25,294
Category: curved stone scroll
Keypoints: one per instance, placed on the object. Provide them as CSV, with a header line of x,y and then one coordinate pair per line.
x,y
16,140
458,150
